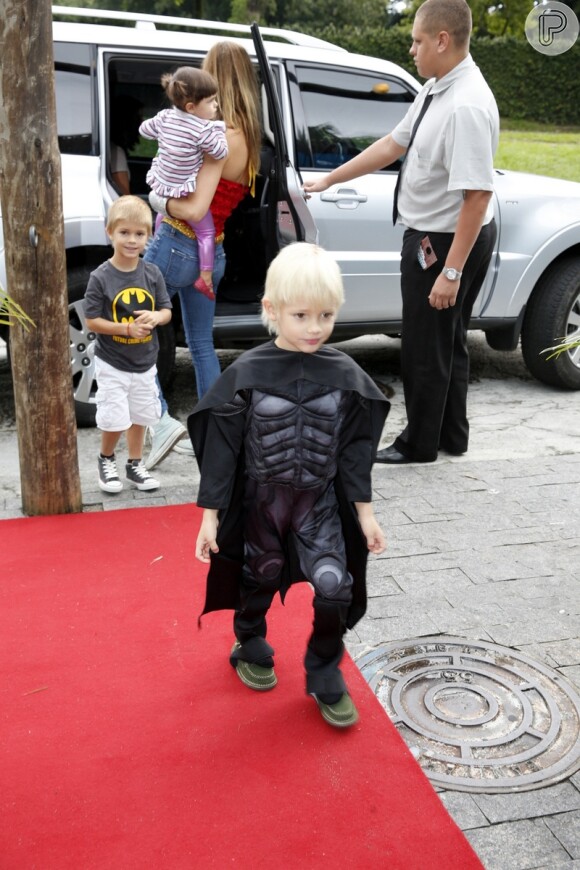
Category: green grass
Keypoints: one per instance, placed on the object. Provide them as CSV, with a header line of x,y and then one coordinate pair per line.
x,y
543,150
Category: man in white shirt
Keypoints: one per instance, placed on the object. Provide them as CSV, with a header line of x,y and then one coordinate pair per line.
x,y
444,200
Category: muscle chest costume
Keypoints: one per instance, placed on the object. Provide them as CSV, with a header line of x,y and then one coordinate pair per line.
x,y
302,427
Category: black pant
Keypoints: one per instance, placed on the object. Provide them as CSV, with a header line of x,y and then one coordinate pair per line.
x,y
434,355
310,517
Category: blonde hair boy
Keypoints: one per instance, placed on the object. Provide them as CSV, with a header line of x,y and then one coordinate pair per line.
x,y
125,301
285,441
302,272
131,210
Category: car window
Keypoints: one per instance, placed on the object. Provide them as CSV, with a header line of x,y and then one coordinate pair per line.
x,y
134,94
72,71
140,77
339,112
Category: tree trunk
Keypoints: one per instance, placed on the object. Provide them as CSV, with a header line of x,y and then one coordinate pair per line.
x,y
31,199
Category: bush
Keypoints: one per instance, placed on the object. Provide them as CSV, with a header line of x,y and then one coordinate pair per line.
x,y
527,85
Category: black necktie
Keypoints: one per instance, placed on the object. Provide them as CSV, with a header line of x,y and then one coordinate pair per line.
x,y
424,107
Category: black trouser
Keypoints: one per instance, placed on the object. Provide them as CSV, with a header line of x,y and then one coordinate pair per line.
x,y
434,355
274,513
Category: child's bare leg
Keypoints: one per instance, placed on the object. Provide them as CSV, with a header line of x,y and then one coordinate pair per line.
x,y
109,441
135,441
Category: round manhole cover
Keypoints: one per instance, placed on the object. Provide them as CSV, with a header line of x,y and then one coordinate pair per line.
x,y
478,716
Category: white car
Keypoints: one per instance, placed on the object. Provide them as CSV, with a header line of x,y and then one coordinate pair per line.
x,y
321,106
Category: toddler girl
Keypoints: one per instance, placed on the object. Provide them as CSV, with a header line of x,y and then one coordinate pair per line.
x,y
186,132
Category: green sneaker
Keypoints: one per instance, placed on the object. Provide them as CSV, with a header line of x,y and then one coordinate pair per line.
x,y
255,676
343,714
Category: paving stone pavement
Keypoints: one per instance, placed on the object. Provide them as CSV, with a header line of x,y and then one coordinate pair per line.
x,y
485,546
488,550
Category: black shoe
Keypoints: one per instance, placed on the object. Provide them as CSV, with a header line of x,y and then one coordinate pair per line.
x,y
391,456
452,452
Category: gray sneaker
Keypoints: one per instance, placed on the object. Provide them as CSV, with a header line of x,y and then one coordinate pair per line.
x,y
164,437
138,475
108,475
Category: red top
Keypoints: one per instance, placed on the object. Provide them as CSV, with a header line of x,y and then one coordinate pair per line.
x,y
227,196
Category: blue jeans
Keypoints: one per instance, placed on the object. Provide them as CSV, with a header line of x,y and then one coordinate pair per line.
x,y
176,255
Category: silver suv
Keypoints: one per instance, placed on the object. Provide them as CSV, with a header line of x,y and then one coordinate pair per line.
x,y
321,106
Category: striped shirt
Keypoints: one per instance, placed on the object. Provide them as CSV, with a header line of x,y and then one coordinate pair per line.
x,y
183,139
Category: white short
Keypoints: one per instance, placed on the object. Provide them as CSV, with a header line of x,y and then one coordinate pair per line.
x,y
124,398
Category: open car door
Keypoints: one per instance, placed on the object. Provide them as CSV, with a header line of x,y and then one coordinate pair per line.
x,y
283,195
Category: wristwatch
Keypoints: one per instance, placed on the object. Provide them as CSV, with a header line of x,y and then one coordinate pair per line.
x,y
451,273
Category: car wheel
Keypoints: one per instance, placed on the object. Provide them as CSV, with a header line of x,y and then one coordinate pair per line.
x,y
553,313
82,350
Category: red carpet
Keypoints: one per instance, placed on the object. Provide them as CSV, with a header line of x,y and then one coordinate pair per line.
x,y
127,740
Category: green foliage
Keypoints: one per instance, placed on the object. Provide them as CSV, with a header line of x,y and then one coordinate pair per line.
x,y
216,10
299,14
504,19
501,19
526,84
530,85
565,345
307,14
391,44
11,312
248,11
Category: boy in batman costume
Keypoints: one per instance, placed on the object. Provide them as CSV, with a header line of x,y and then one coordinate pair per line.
x,y
285,441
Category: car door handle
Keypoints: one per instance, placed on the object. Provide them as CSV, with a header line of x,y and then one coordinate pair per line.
x,y
345,195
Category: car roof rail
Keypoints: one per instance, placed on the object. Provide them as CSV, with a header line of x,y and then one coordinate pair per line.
x,y
151,22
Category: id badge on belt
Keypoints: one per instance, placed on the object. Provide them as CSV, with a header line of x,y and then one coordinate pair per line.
x,y
425,253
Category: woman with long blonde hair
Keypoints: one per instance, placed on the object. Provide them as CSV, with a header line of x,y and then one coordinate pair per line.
x,y
221,185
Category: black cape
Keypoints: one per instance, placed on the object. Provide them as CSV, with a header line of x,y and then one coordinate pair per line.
x,y
267,367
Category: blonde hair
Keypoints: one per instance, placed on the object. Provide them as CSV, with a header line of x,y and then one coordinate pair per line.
x,y
453,16
130,209
302,273
238,94
188,84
